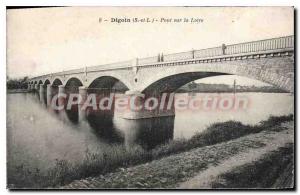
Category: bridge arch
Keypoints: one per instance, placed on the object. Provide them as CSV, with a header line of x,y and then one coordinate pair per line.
x,y
46,82
173,82
73,83
57,82
108,82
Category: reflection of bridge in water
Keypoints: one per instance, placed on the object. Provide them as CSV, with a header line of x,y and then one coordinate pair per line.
x,y
147,133
270,61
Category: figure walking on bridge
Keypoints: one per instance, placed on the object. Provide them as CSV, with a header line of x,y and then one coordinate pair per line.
x,y
223,48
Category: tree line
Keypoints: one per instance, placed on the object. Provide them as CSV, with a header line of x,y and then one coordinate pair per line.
x,y
21,83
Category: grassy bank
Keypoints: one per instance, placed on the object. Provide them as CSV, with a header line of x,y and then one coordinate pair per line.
x,y
95,164
275,170
182,170
219,132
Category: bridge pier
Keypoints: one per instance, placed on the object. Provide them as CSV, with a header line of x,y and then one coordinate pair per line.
x,y
41,89
61,102
60,98
83,95
36,87
49,94
141,106
31,87
42,93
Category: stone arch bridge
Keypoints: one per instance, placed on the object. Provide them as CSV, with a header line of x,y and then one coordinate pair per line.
x,y
270,61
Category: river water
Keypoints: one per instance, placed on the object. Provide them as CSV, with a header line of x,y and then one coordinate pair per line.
x,y
36,135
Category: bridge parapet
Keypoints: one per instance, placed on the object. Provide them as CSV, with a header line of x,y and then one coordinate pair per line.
x,y
117,65
74,71
149,60
262,45
178,56
248,47
203,53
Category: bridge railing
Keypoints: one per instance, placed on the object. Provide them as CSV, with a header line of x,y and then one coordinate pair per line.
x,y
203,53
74,71
254,46
123,64
148,60
178,56
263,45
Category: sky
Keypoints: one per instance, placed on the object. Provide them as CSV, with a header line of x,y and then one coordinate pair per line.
x,y
45,40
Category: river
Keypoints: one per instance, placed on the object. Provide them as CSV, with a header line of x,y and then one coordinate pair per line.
x,y
37,136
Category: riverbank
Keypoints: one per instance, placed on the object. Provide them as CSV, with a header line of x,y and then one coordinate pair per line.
x,y
121,157
174,170
273,170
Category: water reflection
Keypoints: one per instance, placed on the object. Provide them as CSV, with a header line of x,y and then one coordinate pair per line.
x,y
102,124
72,114
106,127
147,133
43,98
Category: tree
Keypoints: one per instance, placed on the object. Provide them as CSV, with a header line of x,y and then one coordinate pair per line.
x,y
17,83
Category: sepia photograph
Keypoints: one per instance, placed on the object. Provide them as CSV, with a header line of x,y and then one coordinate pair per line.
x,y
145,98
